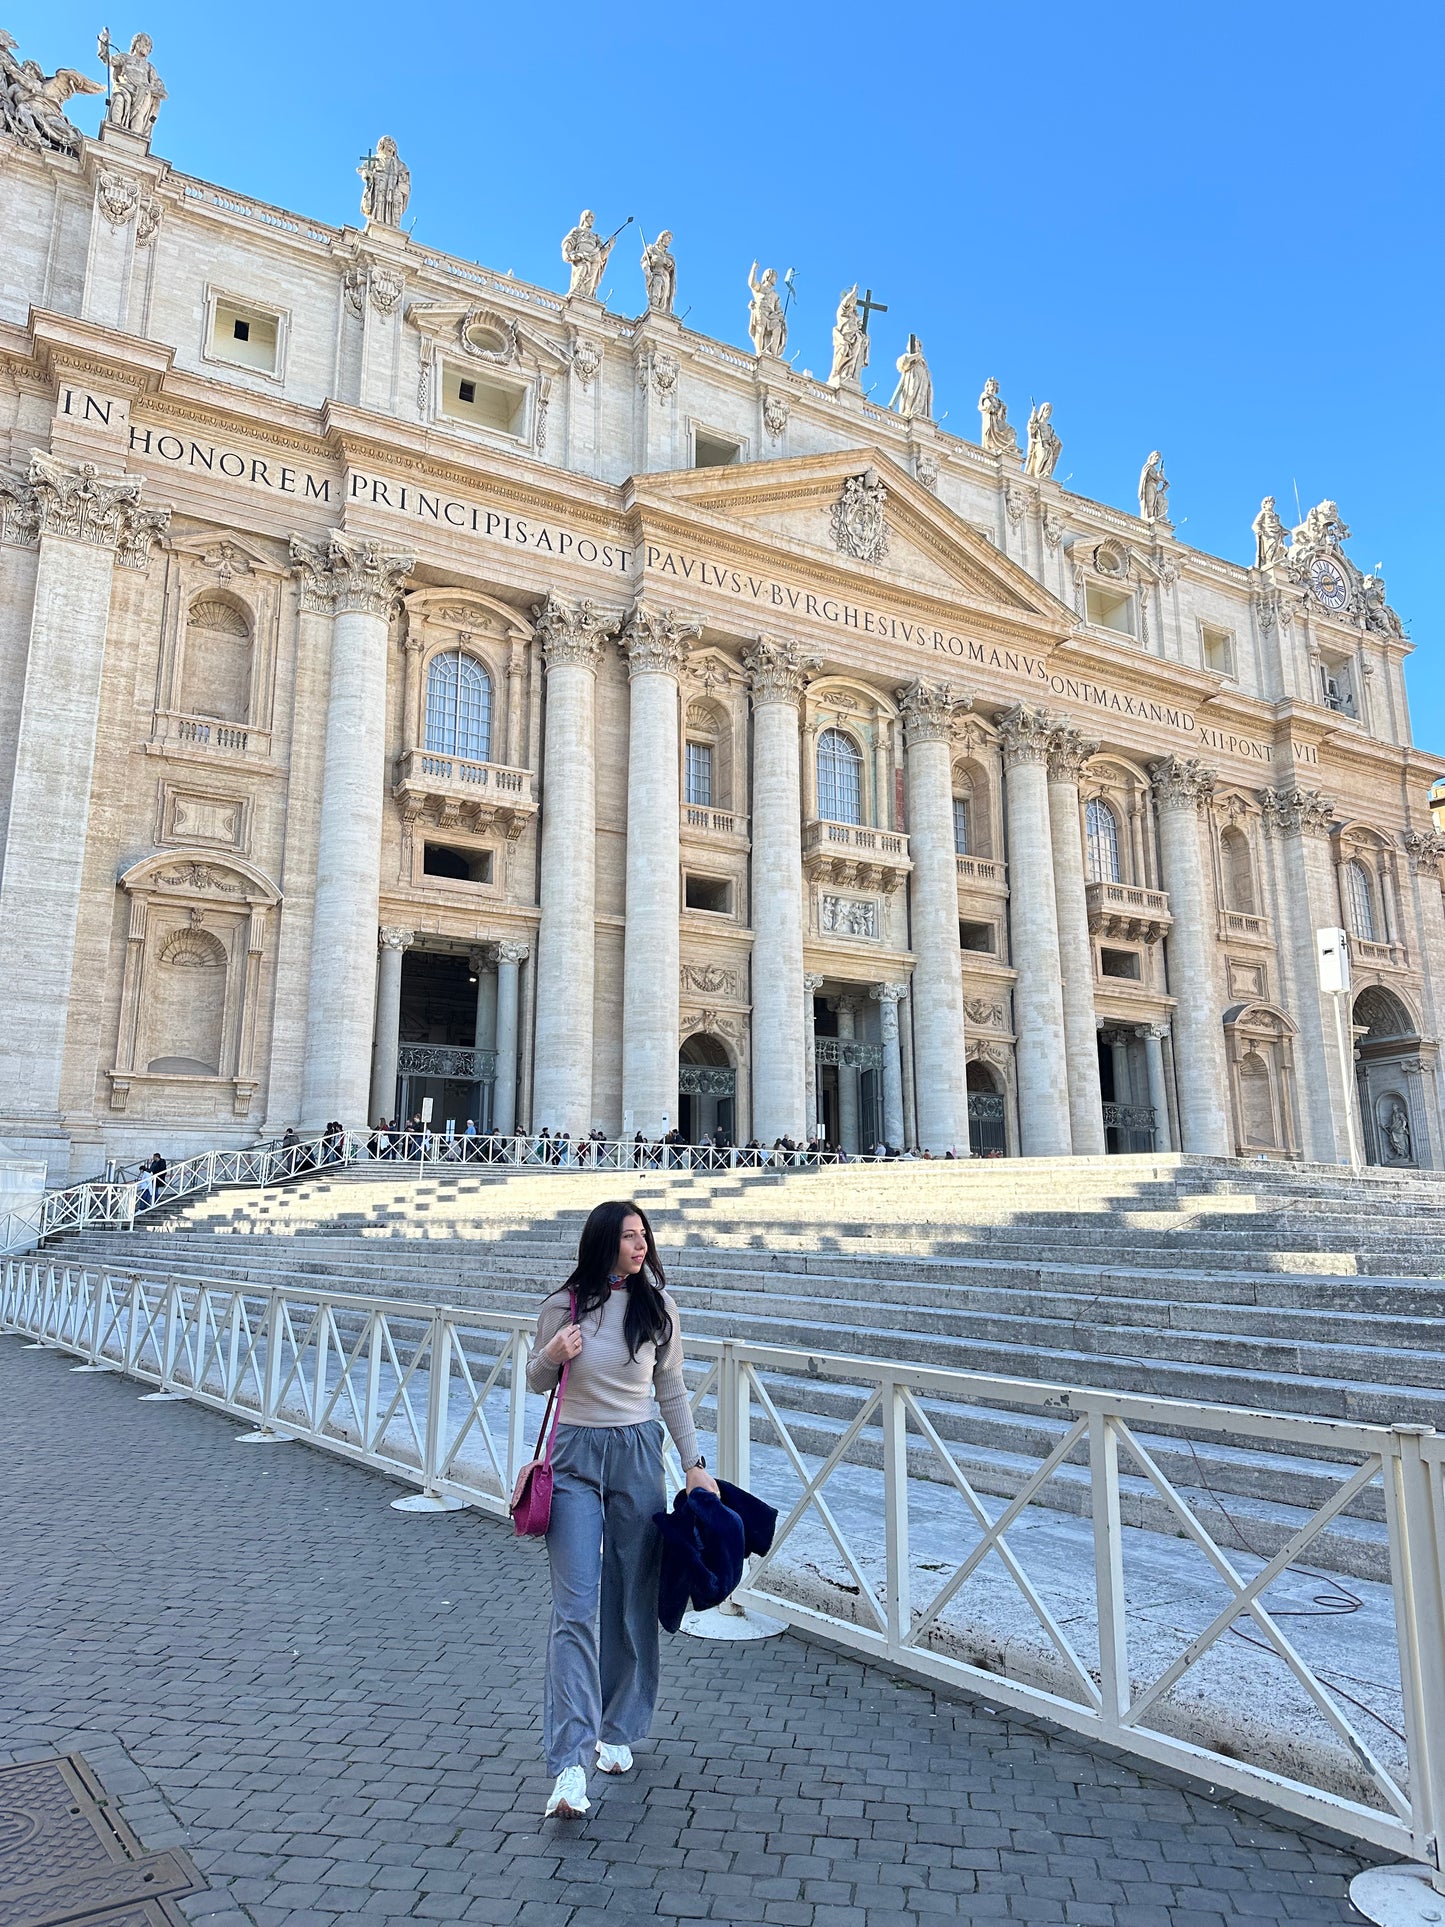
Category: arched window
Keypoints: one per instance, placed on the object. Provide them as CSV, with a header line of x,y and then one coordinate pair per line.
x,y
1360,896
840,778
960,825
1238,871
459,707
1101,831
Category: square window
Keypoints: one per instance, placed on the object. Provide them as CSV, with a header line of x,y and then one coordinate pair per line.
x,y
976,936
1109,608
1119,963
247,336
487,404
1218,650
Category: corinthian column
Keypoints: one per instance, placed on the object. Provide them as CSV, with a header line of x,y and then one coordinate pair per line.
x,y
85,523
1068,753
940,1070
655,644
572,636
1040,1055
393,943
357,582
1297,822
886,996
1182,788
778,672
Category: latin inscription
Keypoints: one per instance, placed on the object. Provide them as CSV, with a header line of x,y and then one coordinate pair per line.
x,y
493,525
258,471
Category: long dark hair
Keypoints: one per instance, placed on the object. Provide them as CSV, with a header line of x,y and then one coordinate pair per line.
x,y
646,1321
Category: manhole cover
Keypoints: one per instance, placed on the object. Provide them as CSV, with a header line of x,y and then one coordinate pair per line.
x,y
67,1860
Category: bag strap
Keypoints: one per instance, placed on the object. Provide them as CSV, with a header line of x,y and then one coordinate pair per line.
x,y
556,1396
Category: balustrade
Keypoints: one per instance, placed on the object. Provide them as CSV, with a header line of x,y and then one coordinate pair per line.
x,y
853,854
1124,911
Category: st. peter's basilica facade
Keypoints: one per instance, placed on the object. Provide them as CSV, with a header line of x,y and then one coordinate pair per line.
x,y
415,683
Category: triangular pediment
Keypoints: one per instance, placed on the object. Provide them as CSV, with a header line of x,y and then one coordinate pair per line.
x,y
789,506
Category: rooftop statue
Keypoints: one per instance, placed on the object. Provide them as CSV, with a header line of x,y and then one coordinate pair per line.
x,y
767,323
659,270
1154,489
1270,543
850,342
386,185
585,252
136,91
32,103
914,393
1045,447
996,433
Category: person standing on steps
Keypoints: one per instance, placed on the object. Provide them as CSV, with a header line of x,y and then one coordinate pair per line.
x,y
623,1351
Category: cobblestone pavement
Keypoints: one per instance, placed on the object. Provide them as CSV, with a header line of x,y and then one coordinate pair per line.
x,y
333,1707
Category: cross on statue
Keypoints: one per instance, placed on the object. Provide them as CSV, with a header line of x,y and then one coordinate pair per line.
x,y
869,306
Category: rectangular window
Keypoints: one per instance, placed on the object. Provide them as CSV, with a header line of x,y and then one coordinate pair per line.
x,y
709,893
960,825
247,336
713,451
1119,963
486,404
976,936
1337,687
699,774
1218,649
458,866
1109,608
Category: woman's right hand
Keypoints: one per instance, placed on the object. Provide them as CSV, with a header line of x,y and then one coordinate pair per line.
x,y
565,1345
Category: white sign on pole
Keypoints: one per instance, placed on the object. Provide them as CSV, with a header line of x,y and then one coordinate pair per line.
x,y
426,1105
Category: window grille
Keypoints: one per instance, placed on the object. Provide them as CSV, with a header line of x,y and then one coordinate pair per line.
x,y
840,778
1361,895
698,774
459,707
1101,828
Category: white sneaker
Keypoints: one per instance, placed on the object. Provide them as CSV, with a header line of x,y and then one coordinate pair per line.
x,y
569,1797
613,1759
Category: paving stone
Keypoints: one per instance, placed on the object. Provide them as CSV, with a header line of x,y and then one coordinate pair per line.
x,y
268,1679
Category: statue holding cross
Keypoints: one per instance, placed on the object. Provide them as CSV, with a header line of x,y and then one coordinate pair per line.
x,y
850,340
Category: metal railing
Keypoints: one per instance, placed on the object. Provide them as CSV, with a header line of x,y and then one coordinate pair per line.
x,y
129,1192
436,1397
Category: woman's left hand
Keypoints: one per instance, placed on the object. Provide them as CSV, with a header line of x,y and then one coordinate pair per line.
x,y
698,1476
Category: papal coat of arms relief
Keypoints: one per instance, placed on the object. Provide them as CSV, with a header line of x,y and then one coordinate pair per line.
x,y
859,529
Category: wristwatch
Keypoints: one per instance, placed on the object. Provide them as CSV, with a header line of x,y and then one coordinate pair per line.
x,y
698,1464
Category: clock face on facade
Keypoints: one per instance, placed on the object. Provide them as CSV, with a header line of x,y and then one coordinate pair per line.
x,y
1327,581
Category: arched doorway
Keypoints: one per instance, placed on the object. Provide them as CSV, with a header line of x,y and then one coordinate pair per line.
x,y
986,1132
707,1088
1391,1074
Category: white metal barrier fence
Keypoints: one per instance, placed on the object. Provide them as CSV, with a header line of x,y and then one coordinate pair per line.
x,y
130,1192
436,1397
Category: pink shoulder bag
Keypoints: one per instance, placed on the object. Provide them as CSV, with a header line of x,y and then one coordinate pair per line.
x,y
531,1506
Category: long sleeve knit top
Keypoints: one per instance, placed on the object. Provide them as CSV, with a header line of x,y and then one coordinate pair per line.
x,y
605,1386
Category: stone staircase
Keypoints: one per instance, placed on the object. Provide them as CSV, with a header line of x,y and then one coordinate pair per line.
x,y
1293,1290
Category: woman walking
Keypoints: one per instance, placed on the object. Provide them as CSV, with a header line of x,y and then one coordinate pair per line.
x,y
615,1328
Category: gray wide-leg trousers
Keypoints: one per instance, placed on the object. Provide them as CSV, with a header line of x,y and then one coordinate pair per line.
x,y
606,1558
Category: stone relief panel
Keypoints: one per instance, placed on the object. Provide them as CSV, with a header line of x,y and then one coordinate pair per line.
x,y
849,917
215,818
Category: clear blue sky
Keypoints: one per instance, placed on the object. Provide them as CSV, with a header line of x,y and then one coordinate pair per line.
x,y
1216,231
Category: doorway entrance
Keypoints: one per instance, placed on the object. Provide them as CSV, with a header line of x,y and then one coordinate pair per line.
x,y
1391,1074
437,1054
986,1133
707,1090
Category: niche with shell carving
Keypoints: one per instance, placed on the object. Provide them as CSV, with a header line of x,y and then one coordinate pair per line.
x,y
184,1020
216,659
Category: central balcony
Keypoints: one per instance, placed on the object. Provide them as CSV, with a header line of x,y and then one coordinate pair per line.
x,y
1122,912
460,794
854,856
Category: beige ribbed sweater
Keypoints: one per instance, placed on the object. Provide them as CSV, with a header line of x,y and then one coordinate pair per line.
x,y
605,1386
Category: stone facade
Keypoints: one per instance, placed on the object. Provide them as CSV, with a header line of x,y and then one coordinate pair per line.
x,y
417,684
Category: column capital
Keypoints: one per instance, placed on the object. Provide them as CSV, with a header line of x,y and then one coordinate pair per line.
x,y
1157,1031
811,984
1293,811
76,501
1069,750
779,671
344,574
887,993
572,633
930,710
511,953
1027,734
1182,783
1425,849
392,937
657,640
